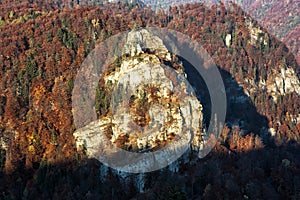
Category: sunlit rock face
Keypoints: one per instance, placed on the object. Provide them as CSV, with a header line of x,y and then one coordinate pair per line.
x,y
152,104
280,83
283,82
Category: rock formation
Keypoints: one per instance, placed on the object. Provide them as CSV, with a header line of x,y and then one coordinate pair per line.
x,y
151,105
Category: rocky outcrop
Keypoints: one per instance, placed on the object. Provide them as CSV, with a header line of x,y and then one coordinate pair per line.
x,y
257,35
228,40
6,149
283,82
152,104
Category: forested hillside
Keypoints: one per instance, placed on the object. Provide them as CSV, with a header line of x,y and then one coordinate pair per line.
x,y
280,18
43,46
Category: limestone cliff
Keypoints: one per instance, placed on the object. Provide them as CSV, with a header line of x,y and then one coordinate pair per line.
x,y
151,105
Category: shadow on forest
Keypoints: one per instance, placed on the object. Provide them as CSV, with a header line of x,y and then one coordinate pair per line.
x,y
268,173
240,109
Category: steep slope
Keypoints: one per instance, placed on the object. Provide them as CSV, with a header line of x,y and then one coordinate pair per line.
x,y
280,18
250,54
39,62
163,109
